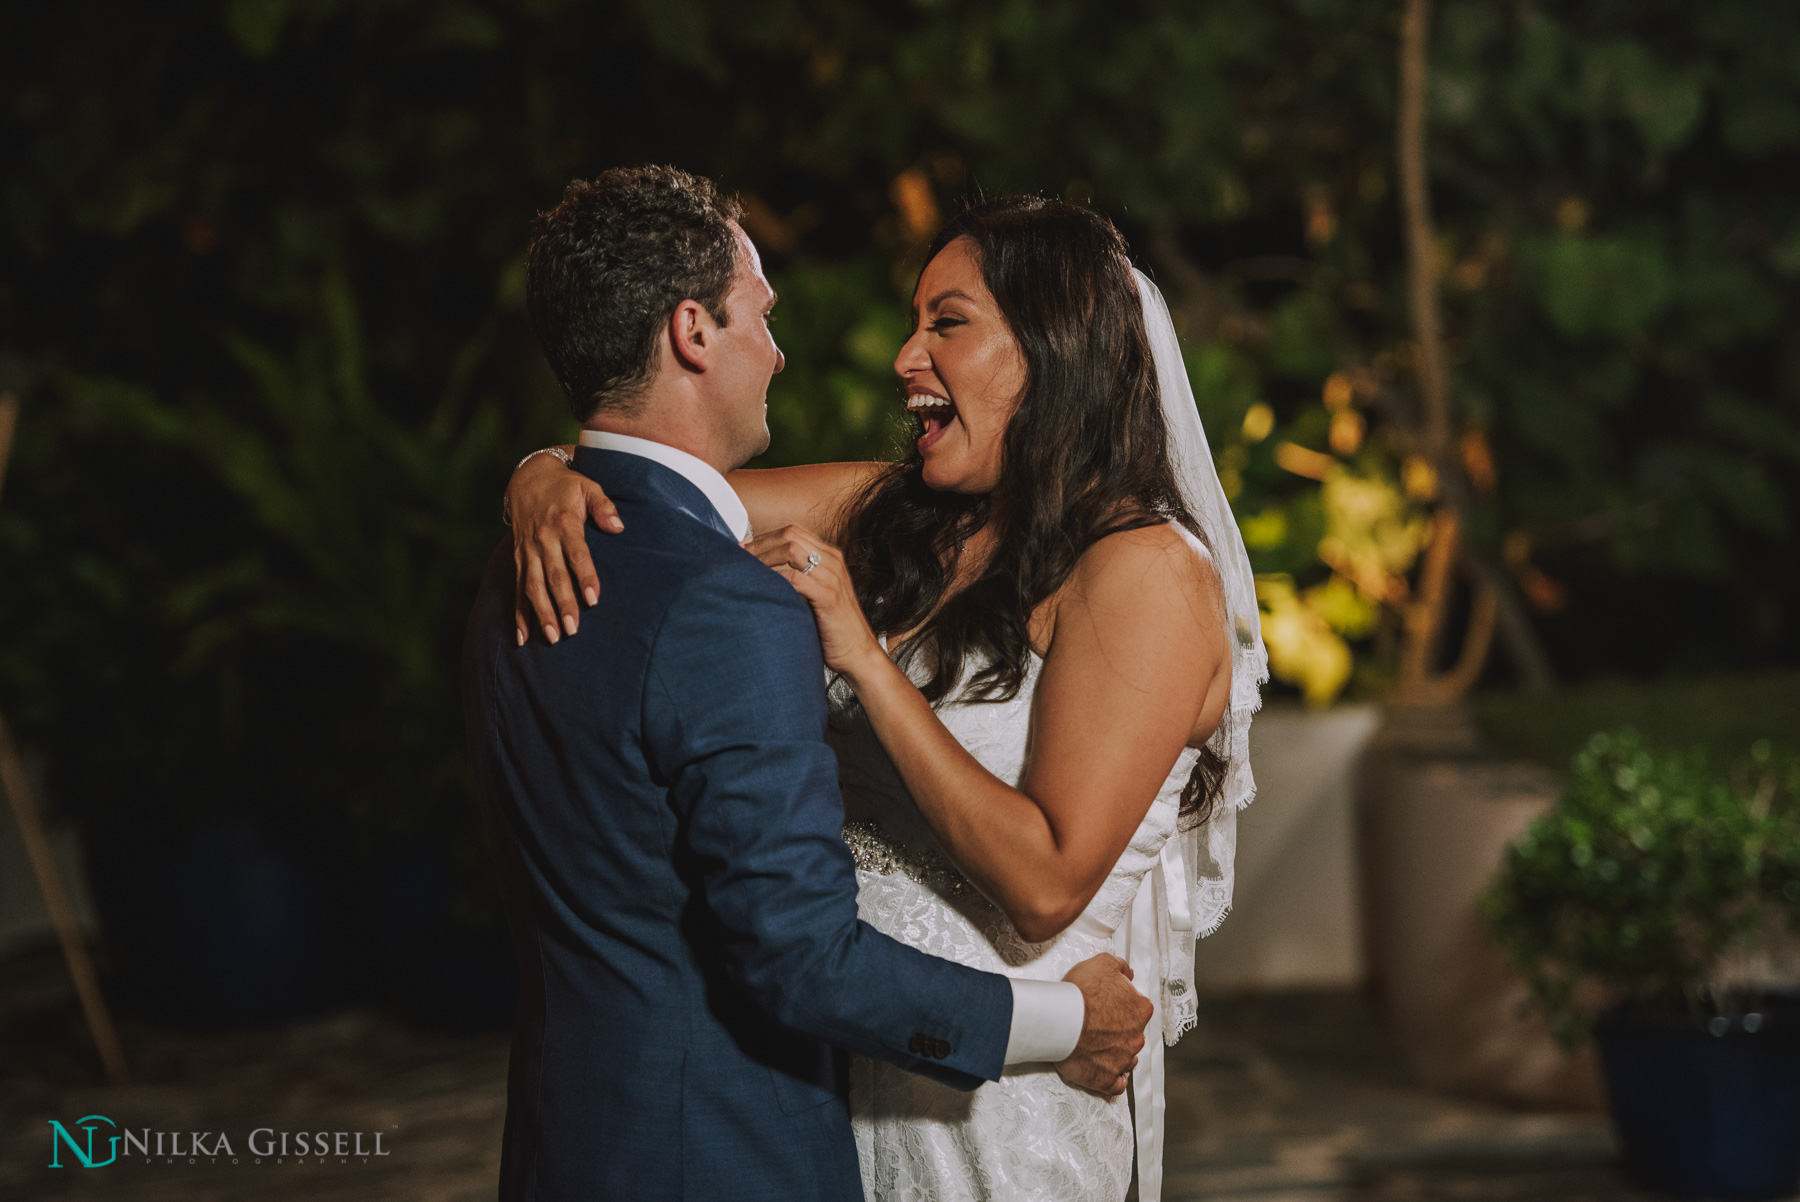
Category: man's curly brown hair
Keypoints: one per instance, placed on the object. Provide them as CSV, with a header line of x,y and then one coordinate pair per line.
x,y
609,264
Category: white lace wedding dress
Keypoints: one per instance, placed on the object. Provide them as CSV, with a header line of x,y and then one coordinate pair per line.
x,y
1028,1135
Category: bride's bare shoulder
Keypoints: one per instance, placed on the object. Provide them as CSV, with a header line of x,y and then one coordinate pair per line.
x,y
1155,585
1145,606
1162,562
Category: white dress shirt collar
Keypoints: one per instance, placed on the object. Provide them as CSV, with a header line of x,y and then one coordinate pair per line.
x,y
694,470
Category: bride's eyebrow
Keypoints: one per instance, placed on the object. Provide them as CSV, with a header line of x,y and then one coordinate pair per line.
x,y
940,298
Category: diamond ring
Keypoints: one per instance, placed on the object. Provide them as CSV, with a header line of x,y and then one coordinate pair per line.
x,y
812,561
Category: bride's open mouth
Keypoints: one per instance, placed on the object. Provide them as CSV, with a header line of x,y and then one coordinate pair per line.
x,y
935,414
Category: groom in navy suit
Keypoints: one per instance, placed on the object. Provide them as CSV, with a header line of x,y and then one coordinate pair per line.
x,y
661,803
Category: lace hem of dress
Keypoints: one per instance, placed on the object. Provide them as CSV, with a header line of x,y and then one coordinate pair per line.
x,y
874,852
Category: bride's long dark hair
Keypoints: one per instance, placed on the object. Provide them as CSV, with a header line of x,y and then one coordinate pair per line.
x,y
1084,456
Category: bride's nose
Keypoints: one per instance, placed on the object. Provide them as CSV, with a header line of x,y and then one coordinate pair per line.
x,y
912,356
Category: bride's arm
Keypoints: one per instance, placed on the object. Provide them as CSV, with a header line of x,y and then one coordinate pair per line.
x,y
549,507
1138,664
814,495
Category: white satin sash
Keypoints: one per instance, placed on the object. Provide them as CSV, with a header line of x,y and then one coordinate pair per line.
x,y
1143,941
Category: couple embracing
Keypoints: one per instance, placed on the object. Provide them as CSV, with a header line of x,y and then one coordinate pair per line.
x,y
858,842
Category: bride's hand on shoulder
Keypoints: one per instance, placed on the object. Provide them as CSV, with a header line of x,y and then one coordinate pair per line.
x,y
549,506
818,573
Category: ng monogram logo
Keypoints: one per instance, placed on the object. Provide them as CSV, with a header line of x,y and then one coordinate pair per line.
x,y
82,1151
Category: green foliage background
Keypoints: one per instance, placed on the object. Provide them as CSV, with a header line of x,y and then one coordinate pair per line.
x,y
261,260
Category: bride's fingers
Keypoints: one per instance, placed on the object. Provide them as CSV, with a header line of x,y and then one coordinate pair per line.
x,y
774,549
557,583
808,585
757,544
797,543
773,557
790,555
572,531
537,596
520,619
811,566
601,508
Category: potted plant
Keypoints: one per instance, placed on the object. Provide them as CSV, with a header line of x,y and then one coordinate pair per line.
x,y
1622,908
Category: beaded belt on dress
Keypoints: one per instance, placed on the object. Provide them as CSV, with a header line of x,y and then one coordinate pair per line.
x,y
873,852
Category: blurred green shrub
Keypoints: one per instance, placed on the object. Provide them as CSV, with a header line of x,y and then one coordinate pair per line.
x,y
839,325
1652,866
305,664
367,533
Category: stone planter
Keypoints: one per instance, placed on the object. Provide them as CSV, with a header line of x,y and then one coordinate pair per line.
x,y
1294,920
1435,819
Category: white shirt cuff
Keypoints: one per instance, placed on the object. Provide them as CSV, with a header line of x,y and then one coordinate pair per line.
x,y
1046,1021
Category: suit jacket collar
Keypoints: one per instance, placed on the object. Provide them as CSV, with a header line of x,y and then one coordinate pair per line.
x,y
700,474
626,476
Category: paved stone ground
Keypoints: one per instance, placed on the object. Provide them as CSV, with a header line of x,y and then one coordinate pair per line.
x,y
1300,1098
1293,1098
438,1100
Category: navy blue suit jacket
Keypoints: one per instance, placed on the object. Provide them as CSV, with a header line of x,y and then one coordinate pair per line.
x,y
664,815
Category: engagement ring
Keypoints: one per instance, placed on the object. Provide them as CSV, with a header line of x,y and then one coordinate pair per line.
x,y
812,561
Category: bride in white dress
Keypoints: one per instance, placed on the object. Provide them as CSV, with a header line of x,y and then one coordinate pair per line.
x,y
1044,639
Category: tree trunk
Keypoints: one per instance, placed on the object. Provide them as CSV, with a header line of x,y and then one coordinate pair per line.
x,y
17,787
1421,249
1424,622
1523,647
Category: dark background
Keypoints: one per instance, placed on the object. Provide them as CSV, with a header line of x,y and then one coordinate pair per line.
x,y
260,287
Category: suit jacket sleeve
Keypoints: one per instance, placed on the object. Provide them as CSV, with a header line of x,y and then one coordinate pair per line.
x,y
735,722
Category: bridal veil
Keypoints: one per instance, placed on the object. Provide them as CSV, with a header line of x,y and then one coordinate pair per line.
x,y
1188,892
1194,892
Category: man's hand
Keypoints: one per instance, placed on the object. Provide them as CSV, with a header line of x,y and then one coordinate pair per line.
x,y
1112,1031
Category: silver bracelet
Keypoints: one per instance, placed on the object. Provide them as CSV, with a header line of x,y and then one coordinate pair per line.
x,y
568,460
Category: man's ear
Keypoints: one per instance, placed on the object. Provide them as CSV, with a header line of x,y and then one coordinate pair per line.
x,y
691,335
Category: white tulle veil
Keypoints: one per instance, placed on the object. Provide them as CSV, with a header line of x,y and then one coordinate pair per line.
x,y
1194,890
